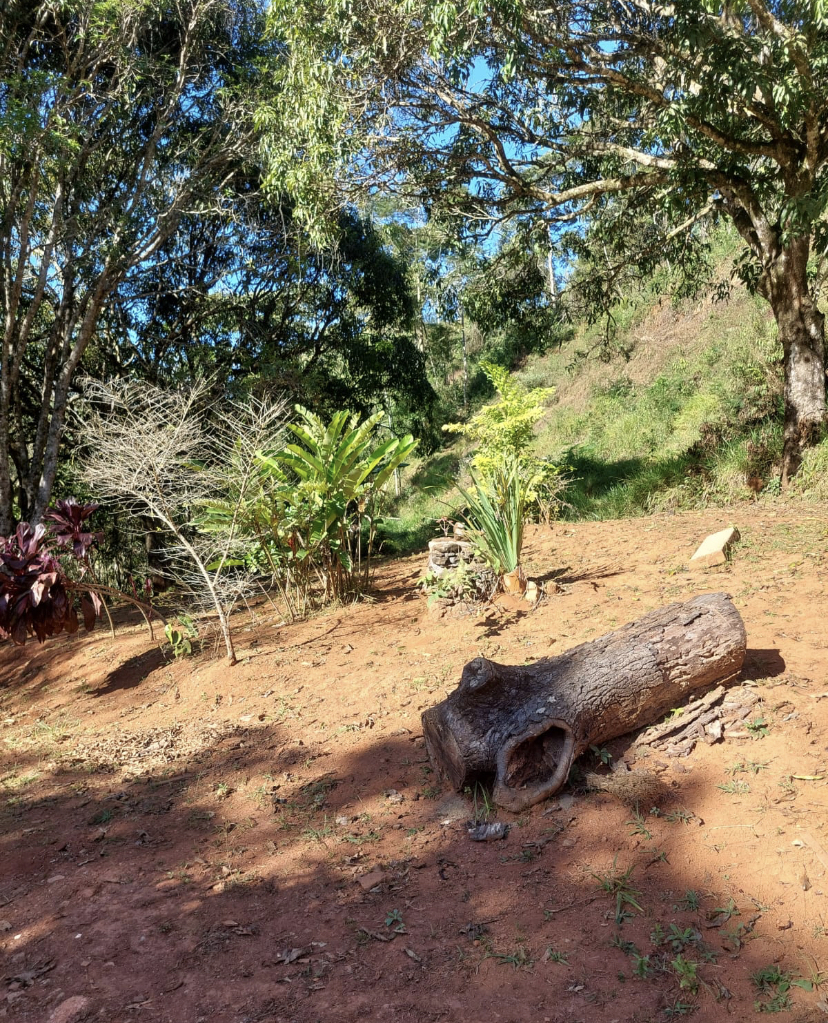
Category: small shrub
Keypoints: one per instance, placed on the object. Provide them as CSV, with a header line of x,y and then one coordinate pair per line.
x,y
180,637
37,597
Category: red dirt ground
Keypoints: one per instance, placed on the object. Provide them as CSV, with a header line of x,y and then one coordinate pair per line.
x,y
183,841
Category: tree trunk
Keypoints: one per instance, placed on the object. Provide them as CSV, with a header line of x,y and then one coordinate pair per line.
x,y
526,724
803,341
802,336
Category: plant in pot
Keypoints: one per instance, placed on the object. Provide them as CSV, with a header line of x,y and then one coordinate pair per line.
x,y
496,518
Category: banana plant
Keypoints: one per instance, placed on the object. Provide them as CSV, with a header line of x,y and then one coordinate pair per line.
x,y
338,472
308,514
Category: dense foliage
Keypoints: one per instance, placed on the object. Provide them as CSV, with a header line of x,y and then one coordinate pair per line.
x,y
625,126
136,242
311,520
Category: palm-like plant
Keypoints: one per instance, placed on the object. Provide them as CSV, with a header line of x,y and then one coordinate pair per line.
x,y
497,515
331,478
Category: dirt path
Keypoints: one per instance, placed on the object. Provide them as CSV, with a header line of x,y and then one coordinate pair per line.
x,y
185,842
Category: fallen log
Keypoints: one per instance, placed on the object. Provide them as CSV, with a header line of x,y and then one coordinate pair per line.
x,y
526,724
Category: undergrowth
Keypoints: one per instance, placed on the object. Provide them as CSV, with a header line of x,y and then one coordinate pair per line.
x,y
683,409
705,429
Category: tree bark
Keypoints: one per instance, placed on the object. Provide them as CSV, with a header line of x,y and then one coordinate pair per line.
x,y
526,724
802,333
802,336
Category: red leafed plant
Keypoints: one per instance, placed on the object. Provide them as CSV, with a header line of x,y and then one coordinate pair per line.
x,y
67,519
36,595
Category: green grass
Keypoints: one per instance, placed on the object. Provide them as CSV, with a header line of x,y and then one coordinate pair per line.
x,y
693,435
684,412
427,494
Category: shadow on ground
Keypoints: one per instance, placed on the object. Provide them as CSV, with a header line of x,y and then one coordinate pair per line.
x,y
274,876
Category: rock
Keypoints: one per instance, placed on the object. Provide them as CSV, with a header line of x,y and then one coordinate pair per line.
x,y
446,554
714,549
492,832
72,1010
372,879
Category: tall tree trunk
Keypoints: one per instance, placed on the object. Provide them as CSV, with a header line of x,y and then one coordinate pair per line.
x,y
6,488
802,335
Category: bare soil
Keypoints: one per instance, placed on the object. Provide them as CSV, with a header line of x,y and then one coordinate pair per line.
x,y
183,841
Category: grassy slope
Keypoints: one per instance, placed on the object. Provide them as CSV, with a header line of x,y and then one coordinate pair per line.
x,y
691,417
687,414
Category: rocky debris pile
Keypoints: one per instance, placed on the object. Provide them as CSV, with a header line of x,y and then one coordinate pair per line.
x,y
446,554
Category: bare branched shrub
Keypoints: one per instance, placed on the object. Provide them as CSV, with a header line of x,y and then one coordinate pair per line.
x,y
165,454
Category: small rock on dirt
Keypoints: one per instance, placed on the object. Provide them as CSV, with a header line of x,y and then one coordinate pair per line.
x,y
714,549
372,879
488,832
72,1010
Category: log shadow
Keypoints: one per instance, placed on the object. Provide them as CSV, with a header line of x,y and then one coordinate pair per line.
x,y
763,664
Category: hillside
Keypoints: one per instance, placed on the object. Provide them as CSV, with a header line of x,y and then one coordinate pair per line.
x,y
686,412
683,409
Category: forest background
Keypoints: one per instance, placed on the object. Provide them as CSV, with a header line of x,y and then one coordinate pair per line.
x,y
363,211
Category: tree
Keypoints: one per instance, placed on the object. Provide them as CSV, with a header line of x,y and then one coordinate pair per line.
x,y
117,119
238,294
592,116
159,453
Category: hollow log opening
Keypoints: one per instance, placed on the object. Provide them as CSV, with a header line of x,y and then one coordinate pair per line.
x,y
539,759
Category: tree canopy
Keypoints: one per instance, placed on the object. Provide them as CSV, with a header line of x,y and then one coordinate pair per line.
x,y
135,239
589,116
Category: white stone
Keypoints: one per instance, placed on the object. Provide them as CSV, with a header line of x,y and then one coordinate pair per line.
x,y
714,549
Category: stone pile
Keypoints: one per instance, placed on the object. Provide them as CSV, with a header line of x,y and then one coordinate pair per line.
x,y
446,553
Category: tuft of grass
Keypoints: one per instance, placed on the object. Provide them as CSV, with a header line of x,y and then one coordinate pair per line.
x,y
638,826
484,808
616,883
747,767
691,901
679,1008
517,959
773,985
736,787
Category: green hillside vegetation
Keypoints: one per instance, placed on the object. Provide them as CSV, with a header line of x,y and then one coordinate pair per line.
x,y
684,410
691,417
